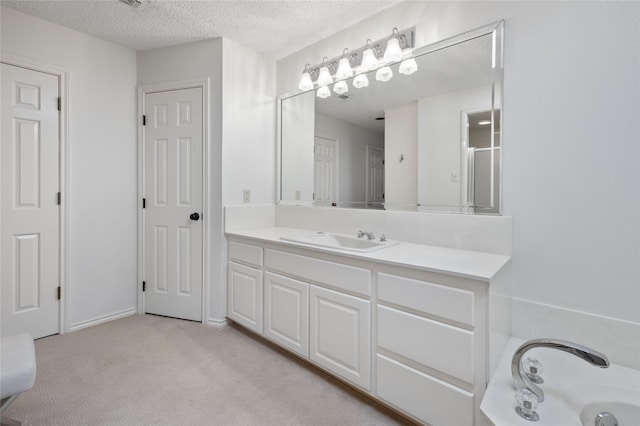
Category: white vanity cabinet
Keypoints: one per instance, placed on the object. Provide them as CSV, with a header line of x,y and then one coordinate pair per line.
x,y
286,312
339,312
340,329
244,285
415,339
429,341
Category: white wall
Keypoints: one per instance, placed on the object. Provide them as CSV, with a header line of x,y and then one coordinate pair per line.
x,y
199,60
570,133
102,161
439,148
249,125
248,145
297,153
401,139
352,163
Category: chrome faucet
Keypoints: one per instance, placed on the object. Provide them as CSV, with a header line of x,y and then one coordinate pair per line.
x,y
370,235
519,375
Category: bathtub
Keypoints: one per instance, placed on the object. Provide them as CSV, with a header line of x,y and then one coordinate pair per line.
x,y
575,391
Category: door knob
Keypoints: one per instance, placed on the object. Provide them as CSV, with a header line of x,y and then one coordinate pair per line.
x,y
194,216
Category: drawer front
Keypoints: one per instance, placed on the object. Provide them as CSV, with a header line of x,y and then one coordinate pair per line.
x,y
431,343
427,398
245,253
433,299
344,277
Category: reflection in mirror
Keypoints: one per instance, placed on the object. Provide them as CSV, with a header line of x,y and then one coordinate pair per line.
x,y
429,141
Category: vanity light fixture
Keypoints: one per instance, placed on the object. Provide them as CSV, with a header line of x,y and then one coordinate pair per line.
x,y
393,53
341,87
323,92
360,81
324,78
399,49
305,81
369,60
384,74
344,67
408,65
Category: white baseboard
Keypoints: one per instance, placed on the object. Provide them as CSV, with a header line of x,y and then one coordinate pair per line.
x,y
217,323
102,319
618,339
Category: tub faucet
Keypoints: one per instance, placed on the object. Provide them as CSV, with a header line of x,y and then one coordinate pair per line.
x,y
520,377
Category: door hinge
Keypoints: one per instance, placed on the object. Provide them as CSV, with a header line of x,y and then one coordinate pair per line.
x,y
144,120
144,286
59,293
144,203
59,198
383,162
59,103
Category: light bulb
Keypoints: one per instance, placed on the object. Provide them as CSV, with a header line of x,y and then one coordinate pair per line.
x,y
392,53
369,60
360,81
341,87
384,74
324,78
305,82
408,66
323,92
344,69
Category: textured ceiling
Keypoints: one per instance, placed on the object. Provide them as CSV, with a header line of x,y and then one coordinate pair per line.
x,y
274,28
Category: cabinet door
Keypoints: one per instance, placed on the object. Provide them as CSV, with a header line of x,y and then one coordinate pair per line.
x,y
244,299
286,312
339,334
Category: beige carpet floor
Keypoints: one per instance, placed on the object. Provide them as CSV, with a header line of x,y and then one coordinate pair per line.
x,y
150,370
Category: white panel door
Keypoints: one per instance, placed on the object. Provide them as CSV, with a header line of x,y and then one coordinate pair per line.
x,y
375,174
29,225
339,334
286,312
173,230
325,171
244,298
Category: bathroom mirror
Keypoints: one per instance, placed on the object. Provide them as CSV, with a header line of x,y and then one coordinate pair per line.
x,y
429,141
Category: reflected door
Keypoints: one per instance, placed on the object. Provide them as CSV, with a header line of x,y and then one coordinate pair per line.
x,y
29,224
375,175
173,230
325,171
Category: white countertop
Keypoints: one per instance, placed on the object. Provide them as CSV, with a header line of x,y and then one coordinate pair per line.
x,y
463,263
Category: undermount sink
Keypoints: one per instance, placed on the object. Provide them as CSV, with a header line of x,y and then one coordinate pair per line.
x,y
341,242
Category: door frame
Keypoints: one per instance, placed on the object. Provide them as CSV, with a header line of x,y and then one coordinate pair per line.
x,y
143,90
63,175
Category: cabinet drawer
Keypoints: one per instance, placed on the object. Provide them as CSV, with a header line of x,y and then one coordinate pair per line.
x,y
427,398
344,277
431,343
433,299
245,253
